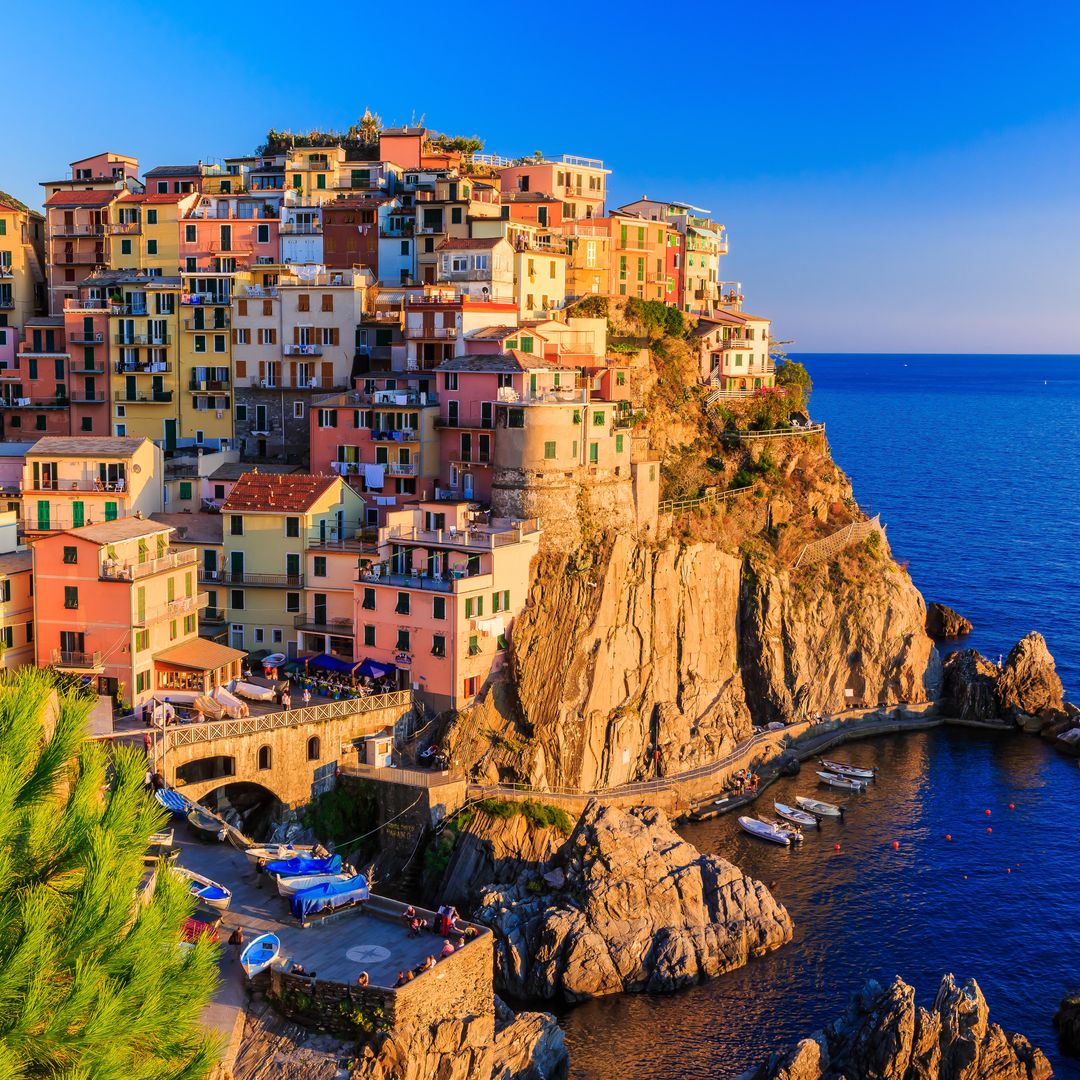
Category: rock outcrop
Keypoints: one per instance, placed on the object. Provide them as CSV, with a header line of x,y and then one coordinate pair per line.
x,y
1067,1022
885,1036
1026,690
944,624
638,908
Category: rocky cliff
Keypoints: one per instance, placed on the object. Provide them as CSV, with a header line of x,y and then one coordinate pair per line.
x,y
944,624
626,904
885,1036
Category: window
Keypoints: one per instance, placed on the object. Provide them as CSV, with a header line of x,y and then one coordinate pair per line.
x,y
472,686
71,596
474,645
438,645
87,423
39,422
292,526
450,380
598,419
151,217
71,556
151,247
438,607
474,606
325,418
404,641
404,247
369,636
236,525
594,453
402,606
142,640
314,748
200,343
549,451
369,600
264,757
298,410
241,414
185,489
618,444
303,302
262,234
515,418
620,378
292,602
219,342
236,599
259,635
327,301
500,601
189,234
318,567
125,247
276,636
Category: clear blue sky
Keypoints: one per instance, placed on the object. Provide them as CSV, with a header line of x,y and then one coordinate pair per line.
x,y
894,177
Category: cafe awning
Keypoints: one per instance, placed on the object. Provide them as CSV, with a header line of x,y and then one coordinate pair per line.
x,y
331,663
374,669
199,654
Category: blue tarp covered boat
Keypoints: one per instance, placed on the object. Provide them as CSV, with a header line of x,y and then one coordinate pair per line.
x,y
173,801
328,895
296,866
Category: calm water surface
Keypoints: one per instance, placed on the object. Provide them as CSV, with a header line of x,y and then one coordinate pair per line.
x,y
972,463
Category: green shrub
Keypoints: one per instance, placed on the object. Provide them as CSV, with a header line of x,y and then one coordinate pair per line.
x,y
742,478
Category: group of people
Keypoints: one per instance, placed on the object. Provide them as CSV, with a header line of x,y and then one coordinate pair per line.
x,y
745,782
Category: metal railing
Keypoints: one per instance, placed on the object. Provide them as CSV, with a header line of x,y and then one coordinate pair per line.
x,y
417,580
826,547
409,777
677,506
471,538
231,577
302,350
80,337
113,570
340,627
161,397
221,322
193,734
185,605
63,658
301,228
143,339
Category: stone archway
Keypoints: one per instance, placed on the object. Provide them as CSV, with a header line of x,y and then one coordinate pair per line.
x,y
257,805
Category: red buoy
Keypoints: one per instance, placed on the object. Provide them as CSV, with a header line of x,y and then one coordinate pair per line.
x,y
896,845
836,847
948,836
987,813
1012,806
1008,870
988,829
965,877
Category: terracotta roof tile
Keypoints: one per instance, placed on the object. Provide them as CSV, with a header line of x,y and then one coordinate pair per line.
x,y
474,242
82,198
277,493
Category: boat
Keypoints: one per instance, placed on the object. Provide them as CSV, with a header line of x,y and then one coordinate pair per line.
x,y
844,769
816,806
298,866
790,813
328,895
173,801
793,831
259,954
844,782
206,825
765,831
290,886
194,929
162,839
205,890
270,852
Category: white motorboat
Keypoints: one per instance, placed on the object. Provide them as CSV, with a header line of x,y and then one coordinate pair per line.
x,y
289,886
765,831
260,954
816,806
845,783
798,817
843,769
273,852
793,831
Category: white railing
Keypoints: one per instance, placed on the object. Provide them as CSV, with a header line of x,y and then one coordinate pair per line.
x,y
112,570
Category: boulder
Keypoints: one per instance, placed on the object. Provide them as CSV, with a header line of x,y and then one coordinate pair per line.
x,y
530,1047
641,909
1067,1022
969,691
884,1036
944,624
1028,683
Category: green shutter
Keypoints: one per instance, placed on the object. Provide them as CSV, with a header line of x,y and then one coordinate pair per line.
x,y
110,511
78,514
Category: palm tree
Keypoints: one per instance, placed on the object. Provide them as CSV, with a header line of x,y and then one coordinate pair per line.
x,y
93,982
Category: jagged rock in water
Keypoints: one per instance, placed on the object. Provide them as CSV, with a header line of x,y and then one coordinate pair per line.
x,y
1029,683
1067,1022
641,909
944,624
885,1036
969,691
529,1046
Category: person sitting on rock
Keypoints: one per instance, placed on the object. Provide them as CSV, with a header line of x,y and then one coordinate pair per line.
x,y
401,980
362,979
447,949
408,915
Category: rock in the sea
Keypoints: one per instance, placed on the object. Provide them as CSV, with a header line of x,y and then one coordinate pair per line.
x,y
530,1047
969,690
641,909
885,1036
944,624
1067,1022
1029,683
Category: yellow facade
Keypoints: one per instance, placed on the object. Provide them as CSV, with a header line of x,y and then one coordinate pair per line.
x,y
144,232
314,171
205,359
539,278
22,238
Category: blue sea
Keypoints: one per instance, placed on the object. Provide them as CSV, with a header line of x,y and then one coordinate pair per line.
x,y
971,462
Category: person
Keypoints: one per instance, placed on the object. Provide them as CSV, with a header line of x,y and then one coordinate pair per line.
x,y
400,979
408,915
148,780
236,940
447,948
362,979
147,742
158,781
260,871
470,932
409,976
417,926
306,696
297,969
170,712
286,700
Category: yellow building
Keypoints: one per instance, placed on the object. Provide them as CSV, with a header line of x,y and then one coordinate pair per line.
x,y
202,533
22,262
588,259
16,596
204,356
271,521
144,231
539,262
315,171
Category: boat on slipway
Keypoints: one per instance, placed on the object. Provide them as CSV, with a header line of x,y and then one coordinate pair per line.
x,y
290,886
843,782
173,801
275,852
300,866
207,826
205,890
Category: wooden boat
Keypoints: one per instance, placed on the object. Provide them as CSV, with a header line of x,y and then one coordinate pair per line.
x,y
765,831
205,824
173,801
844,782
843,769
259,954
163,838
816,806
290,886
272,852
798,817
205,890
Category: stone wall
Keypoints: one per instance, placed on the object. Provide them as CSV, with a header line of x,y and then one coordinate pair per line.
x,y
288,436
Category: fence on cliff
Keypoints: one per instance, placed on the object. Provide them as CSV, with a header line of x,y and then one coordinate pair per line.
x,y
834,543
678,506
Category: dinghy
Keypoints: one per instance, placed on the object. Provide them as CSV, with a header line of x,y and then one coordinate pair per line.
x,y
837,781
327,896
290,886
765,831
173,801
260,954
205,890
816,806
299,866
843,769
205,824
799,817
270,852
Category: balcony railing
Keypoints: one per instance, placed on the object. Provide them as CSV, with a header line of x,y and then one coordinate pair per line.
x,y
143,339
203,385
86,397
232,577
398,468
81,660
221,322
7,302
125,228
212,615
337,627
136,307
440,333
81,337
483,423
301,228
303,350
63,229
35,403
88,367
173,609
115,570
404,436
159,397
84,483
6,270
151,367
382,575
205,298
80,258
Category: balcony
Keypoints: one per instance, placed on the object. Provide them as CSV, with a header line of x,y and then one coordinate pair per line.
x,y
405,436
482,538
77,661
400,468
71,229
221,321
81,337
84,397
202,386
174,609
217,248
85,483
6,270
7,302
212,615
88,367
190,299
36,403
136,307
88,304
431,333
301,228
261,292
336,627
270,581
80,258
302,350
126,228
481,423
143,339
151,367
158,397
114,570
381,574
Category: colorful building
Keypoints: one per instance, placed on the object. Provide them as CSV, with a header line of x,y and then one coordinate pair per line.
x,y
144,231
733,351
22,267
16,596
638,258
581,183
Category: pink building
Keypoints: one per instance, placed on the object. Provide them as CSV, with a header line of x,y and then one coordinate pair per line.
x,y
437,607
224,233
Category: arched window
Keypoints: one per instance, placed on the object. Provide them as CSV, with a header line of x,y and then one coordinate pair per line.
x,y
313,748
264,757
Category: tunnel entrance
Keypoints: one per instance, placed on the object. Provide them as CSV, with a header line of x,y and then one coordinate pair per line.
x,y
252,807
